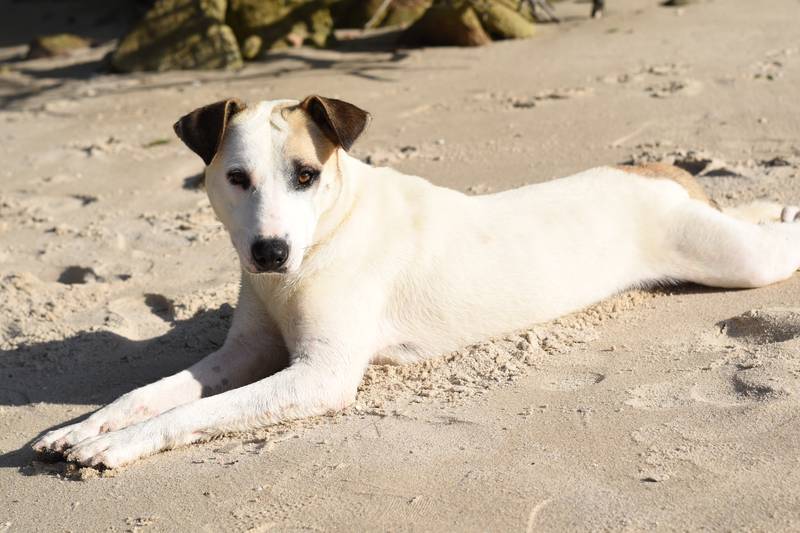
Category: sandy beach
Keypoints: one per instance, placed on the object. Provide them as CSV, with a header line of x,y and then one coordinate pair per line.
x,y
672,409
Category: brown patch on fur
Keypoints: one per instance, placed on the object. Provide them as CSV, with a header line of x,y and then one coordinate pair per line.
x,y
202,129
670,172
306,141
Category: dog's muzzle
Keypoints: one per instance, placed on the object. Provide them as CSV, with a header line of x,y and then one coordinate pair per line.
x,y
269,255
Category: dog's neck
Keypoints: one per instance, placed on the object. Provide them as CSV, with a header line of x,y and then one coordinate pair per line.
x,y
341,206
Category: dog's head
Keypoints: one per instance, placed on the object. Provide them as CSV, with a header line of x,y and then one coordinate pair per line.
x,y
272,171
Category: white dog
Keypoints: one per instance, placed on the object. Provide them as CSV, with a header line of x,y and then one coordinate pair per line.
x,y
344,264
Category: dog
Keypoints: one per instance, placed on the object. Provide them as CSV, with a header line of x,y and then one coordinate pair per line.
x,y
344,264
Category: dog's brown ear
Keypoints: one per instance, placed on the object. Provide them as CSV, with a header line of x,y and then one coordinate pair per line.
x,y
202,129
340,121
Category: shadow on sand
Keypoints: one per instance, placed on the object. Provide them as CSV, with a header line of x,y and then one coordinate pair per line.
x,y
94,368
374,66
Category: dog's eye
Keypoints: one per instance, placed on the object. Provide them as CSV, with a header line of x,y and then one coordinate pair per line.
x,y
239,178
306,176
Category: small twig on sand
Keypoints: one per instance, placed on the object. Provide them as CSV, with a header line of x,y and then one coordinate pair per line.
x,y
378,15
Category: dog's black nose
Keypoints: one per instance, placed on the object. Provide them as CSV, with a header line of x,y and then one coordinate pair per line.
x,y
269,254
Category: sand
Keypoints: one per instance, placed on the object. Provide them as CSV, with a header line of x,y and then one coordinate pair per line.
x,y
674,409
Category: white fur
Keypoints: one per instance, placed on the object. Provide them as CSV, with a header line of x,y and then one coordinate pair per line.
x,y
386,266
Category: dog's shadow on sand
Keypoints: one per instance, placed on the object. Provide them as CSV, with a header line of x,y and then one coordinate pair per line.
x,y
95,368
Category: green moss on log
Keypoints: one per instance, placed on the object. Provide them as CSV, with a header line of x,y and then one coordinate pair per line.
x,y
59,44
280,24
447,23
179,34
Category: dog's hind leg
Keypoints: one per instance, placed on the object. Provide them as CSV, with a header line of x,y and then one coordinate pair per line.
x,y
251,351
762,212
663,171
706,246
758,211
744,246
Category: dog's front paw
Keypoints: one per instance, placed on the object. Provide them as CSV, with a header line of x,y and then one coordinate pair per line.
x,y
58,440
129,409
116,448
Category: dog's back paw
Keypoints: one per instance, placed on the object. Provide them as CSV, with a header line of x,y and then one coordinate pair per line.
x,y
763,212
790,213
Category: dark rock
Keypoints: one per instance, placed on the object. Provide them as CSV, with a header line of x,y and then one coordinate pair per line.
x,y
447,23
502,20
60,44
378,13
404,12
179,34
261,26
354,13
470,23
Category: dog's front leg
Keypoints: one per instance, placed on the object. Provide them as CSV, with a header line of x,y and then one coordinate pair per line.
x,y
321,379
252,350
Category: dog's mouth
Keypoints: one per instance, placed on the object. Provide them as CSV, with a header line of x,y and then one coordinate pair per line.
x,y
282,270
252,269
